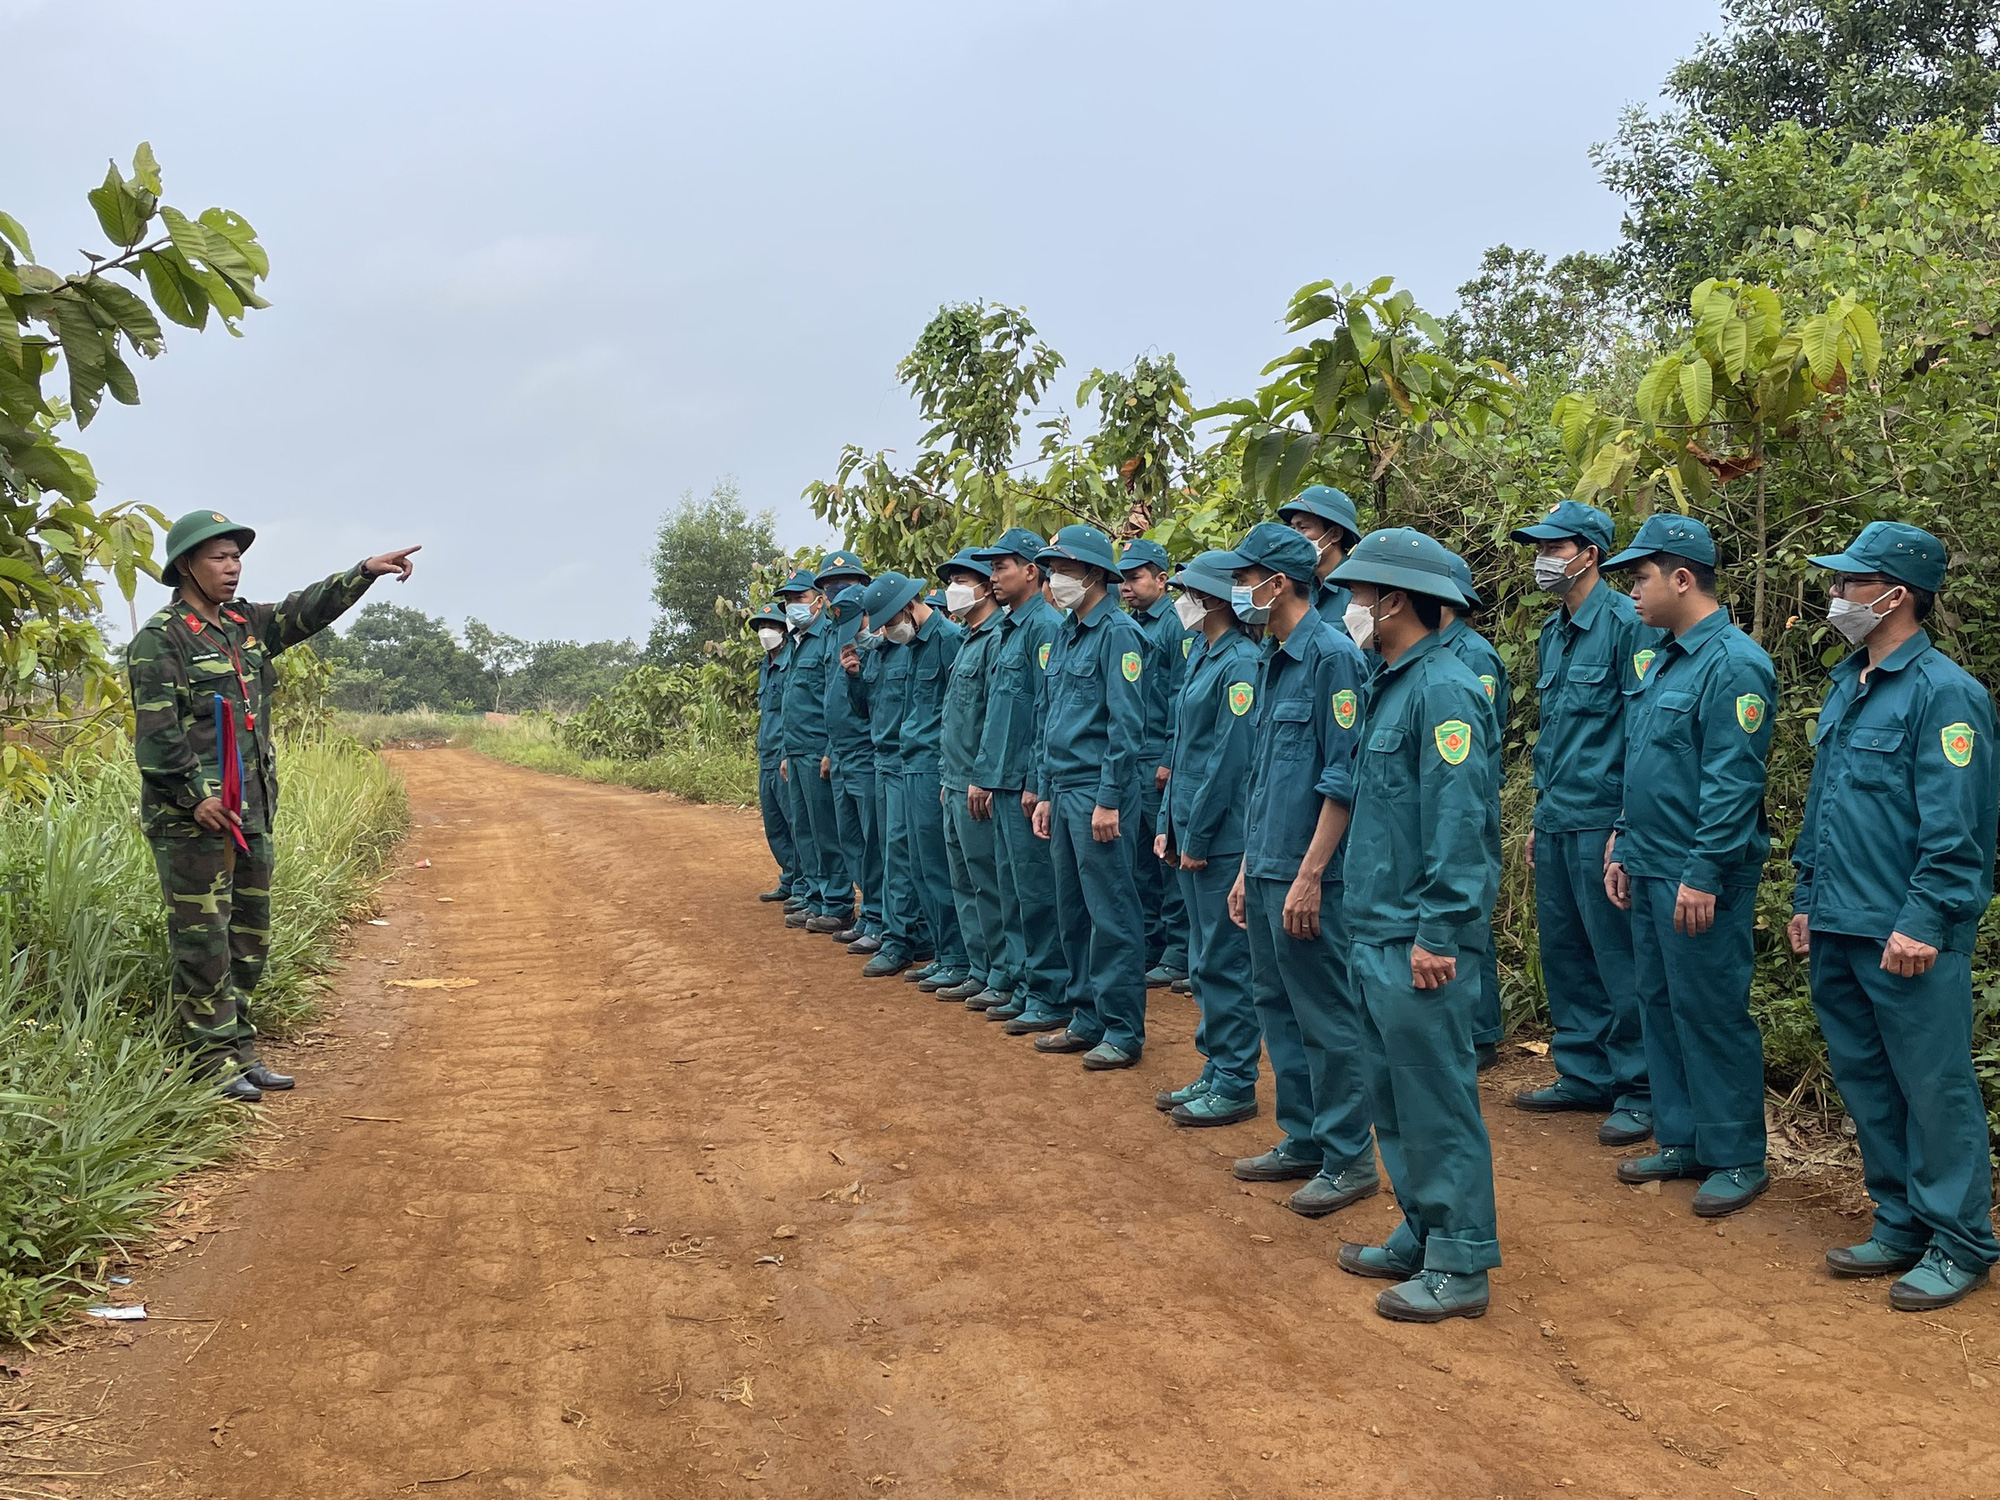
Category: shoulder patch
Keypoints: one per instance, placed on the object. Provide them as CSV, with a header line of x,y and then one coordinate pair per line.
x,y
1187,645
1454,740
1957,744
1344,708
1642,662
1242,695
1042,656
1129,665
1750,713
1487,683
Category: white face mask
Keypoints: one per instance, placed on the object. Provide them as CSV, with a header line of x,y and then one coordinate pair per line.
x,y
771,636
1360,622
960,597
1067,589
1552,575
901,633
1856,622
1191,610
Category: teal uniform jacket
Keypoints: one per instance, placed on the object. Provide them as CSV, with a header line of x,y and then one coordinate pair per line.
x,y
1589,667
881,691
1161,626
813,658
1418,868
973,673
931,656
1694,761
1214,733
1899,824
1308,708
847,730
1331,600
771,705
1094,719
1011,741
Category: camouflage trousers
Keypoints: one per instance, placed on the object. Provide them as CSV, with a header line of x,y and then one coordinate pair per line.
x,y
219,922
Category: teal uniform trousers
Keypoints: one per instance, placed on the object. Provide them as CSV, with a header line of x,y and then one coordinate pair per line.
x,y
975,885
930,865
903,930
773,802
1228,1036
854,806
1103,930
1028,890
1586,948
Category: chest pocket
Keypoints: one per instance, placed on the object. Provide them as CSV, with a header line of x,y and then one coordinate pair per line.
x,y
210,666
1673,721
1875,758
1385,764
1292,737
1589,691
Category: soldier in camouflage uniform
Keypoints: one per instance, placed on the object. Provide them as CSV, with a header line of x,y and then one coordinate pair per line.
x,y
203,656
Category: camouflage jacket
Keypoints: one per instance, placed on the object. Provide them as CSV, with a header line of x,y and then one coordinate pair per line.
x,y
178,664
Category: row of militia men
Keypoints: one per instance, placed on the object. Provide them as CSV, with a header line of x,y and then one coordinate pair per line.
x,y
1272,778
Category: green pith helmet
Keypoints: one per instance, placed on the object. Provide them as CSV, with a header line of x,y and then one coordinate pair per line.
x,y
194,528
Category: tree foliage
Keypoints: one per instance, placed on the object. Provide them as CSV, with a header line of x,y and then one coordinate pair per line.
x,y
704,551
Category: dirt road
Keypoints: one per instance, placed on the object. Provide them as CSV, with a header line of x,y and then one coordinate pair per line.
x,y
673,1203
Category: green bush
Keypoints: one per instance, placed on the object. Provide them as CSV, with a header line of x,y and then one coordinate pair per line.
x,y
723,770
97,1108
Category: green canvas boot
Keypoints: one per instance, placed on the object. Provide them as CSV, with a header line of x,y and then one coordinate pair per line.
x,y
1938,1281
1871,1258
1324,1195
1375,1261
1213,1108
1664,1165
1730,1190
1433,1296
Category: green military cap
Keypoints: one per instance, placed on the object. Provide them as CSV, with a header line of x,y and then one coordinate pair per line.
x,y
194,528
1142,552
1682,536
1016,541
1461,574
1908,554
1279,548
840,567
1401,558
770,614
1329,504
966,560
801,582
1206,573
1570,518
887,597
1084,544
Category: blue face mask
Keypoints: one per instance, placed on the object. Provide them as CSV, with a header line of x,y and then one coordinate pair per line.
x,y
868,640
1250,614
801,615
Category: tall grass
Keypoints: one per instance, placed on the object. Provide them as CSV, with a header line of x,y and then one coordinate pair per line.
x,y
97,1107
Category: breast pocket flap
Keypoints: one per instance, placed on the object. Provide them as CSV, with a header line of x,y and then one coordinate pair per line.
x,y
1884,741
1292,712
1677,703
1386,741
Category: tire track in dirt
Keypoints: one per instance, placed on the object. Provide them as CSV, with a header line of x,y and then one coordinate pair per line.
x,y
539,1273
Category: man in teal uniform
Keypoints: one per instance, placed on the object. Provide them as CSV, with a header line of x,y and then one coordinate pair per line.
x,y
1004,786
878,679
969,843
1142,568
1895,868
1089,773
932,641
815,828
1472,648
853,763
1687,853
1421,880
1288,892
1591,661
1326,518
775,637
1201,833
840,843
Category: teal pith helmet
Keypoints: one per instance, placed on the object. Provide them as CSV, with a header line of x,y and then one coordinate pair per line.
x,y
1084,544
194,528
1329,504
966,560
1207,573
1401,558
1908,554
1461,574
1142,552
1663,531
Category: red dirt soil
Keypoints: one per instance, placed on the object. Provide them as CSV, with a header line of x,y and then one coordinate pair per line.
x,y
674,1203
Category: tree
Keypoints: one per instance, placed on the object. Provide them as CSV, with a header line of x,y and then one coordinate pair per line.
x,y
559,676
703,552
1825,75
1521,312
86,324
495,653
399,659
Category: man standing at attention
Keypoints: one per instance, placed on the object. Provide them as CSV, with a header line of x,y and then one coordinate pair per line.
x,y
1089,807
1142,569
1420,887
969,841
1895,868
1592,659
1003,788
809,795
772,635
852,760
202,673
878,679
1686,857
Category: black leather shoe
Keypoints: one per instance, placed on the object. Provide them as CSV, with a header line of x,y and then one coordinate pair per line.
x,y
782,893
240,1089
264,1078
798,918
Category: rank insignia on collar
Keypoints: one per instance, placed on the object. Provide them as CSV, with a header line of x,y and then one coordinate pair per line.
x,y
1957,744
1487,683
1043,656
1642,662
1241,696
1454,741
1129,665
1343,708
1750,713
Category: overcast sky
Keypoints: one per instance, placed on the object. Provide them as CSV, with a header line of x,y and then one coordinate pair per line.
x,y
537,270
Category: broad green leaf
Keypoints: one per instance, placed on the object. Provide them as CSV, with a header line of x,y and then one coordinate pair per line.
x,y
14,234
1867,338
1697,389
1298,454
118,378
235,231
1361,331
1821,341
119,210
1327,389
170,292
1379,285
126,308
1735,348
145,170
